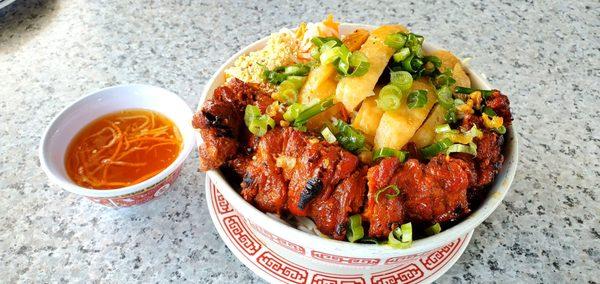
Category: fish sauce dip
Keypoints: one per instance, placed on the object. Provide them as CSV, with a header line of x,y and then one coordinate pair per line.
x,y
122,148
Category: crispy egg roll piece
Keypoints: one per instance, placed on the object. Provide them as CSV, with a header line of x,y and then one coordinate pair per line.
x,y
321,81
397,127
461,77
425,135
367,119
450,61
351,91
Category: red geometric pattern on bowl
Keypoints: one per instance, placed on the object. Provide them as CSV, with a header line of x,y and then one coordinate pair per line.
x,y
283,242
338,259
141,196
257,256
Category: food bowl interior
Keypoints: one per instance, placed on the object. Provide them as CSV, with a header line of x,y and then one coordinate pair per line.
x,y
495,195
72,119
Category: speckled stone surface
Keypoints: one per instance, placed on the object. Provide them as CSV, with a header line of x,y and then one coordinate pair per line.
x,y
544,54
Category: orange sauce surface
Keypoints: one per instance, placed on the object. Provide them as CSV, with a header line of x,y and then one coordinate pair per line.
x,y
122,149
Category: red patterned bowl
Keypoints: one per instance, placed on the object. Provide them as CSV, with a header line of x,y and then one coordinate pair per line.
x,y
73,118
344,258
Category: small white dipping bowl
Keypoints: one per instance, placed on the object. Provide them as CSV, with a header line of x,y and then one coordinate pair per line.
x,y
72,119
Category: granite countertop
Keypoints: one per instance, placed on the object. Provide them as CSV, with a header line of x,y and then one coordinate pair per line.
x,y
545,56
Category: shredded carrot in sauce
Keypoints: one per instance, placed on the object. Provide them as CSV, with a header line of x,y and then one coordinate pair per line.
x,y
122,149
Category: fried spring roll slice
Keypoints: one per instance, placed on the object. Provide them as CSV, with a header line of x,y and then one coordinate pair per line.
x,y
425,135
367,119
351,91
321,81
397,127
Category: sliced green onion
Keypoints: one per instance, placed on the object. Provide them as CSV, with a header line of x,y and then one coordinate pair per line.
x,y
489,111
450,115
443,128
401,237
389,196
396,41
436,61
296,70
474,132
417,99
348,137
464,90
406,64
360,64
433,230
501,130
257,124
389,152
390,98
355,230
444,96
292,112
401,79
313,110
436,148
328,135
402,54
460,148
319,41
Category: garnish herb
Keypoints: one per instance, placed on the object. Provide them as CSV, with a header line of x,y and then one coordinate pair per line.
x,y
417,99
355,230
311,111
401,237
349,138
390,98
328,135
257,124
346,63
433,230
436,148
389,152
389,196
280,74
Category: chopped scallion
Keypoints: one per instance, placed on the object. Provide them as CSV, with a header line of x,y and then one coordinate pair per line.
x,y
417,99
395,41
389,196
389,152
313,110
355,230
436,148
401,79
390,98
401,237
328,135
433,230
257,124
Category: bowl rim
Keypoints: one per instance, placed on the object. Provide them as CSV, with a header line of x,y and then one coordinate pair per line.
x,y
188,144
485,209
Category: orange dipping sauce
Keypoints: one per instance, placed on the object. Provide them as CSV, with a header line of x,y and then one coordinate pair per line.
x,y
122,149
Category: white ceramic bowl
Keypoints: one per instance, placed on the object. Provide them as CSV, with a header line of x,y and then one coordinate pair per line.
x,y
73,118
325,251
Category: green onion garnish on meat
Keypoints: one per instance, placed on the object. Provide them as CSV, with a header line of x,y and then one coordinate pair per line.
x,y
348,137
416,99
257,124
355,230
401,237
389,196
433,230
389,152
436,148
328,135
311,111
